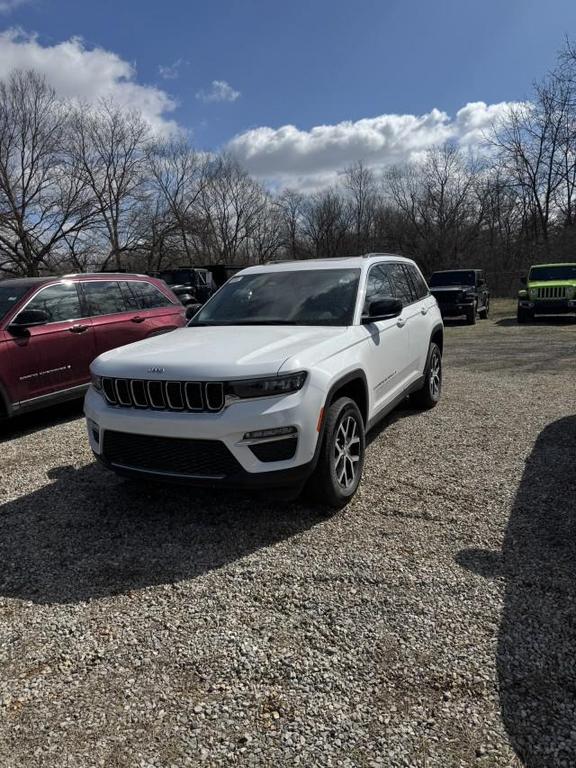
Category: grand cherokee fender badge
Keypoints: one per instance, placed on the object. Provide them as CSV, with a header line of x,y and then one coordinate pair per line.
x,y
156,370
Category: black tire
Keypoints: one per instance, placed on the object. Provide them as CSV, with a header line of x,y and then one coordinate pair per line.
x,y
483,313
524,315
429,396
339,469
471,315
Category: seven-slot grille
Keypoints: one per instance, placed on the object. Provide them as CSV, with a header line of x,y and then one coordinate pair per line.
x,y
552,292
165,395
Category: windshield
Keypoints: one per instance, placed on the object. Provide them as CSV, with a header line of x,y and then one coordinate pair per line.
x,y
558,272
175,277
458,277
9,296
301,297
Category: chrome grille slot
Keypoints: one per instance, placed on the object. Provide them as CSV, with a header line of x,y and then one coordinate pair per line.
x,y
109,391
214,395
552,292
139,394
193,392
123,392
156,394
174,395
165,395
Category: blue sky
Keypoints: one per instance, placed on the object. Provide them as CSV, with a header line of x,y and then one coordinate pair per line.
x,y
305,64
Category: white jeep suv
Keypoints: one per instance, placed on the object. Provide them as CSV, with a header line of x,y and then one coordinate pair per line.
x,y
275,381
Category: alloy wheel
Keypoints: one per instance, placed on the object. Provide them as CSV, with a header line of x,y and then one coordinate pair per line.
x,y
435,377
347,450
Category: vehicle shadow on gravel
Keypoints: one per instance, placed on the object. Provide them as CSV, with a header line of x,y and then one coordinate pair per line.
x,y
536,657
38,420
555,320
89,535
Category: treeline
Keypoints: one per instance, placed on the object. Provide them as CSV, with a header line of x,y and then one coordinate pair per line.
x,y
90,187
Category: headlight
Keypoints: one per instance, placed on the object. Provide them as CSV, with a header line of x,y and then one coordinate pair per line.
x,y
570,290
523,293
96,382
276,385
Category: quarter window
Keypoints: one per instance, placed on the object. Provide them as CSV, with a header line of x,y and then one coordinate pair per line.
x,y
60,302
104,297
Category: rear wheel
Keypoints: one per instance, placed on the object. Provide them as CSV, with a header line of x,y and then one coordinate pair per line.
x,y
429,396
339,469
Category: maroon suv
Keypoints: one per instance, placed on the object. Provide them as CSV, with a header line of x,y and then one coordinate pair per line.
x,y
51,328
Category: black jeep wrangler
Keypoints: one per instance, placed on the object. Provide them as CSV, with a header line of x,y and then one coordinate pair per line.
x,y
461,292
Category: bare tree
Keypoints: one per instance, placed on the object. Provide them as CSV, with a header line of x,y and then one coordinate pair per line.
x,y
43,199
439,206
179,176
232,205
109,146
360,184
326,223
532,141
290,207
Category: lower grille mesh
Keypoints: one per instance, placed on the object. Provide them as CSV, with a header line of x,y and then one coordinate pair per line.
x,y
175,456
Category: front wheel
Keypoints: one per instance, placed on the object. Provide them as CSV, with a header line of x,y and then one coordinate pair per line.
x,y
524,315
429,395
484,311
471,315
339,469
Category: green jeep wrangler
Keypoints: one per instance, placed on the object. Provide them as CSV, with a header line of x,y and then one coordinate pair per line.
x,y
550,290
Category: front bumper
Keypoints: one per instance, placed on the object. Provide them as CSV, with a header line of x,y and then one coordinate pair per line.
x,y
300,410
451,309
552,307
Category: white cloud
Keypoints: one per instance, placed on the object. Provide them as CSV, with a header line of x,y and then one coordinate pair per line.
x,y
89,74
219,90
171,71
7,6
288,156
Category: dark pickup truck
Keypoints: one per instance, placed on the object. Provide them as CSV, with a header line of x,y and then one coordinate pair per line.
x,y
461,292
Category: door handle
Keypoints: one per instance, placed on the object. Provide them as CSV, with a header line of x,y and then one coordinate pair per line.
x,y
78,328
138,319
424,310
401,322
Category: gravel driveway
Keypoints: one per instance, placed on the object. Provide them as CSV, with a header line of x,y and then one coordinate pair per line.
x,y
432,623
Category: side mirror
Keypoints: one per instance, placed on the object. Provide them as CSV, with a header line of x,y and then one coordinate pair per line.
x,y
191,310
382,309
28,318
523,280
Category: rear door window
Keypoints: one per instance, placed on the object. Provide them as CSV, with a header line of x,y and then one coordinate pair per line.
x,y
104,297
148,296
402,286
418,282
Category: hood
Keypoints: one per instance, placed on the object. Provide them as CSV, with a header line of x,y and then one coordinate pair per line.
x,y
551,284
448,288
219,352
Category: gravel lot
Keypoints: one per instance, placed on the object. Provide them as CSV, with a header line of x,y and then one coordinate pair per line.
x,y
431,623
